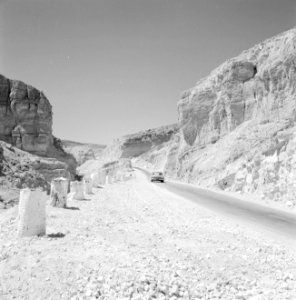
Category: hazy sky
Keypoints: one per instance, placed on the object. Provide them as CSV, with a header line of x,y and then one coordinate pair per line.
x,y
112,67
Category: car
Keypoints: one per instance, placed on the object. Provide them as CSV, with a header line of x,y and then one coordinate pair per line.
x,y
157,176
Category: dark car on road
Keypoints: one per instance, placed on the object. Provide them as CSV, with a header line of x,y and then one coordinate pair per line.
x,y
157,176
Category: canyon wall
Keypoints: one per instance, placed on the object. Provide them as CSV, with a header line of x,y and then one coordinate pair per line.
x,y
237,126
26,121
30,155
26,117
257,85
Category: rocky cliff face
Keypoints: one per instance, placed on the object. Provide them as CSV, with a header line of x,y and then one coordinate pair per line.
x,y
137,144
26,117
26,124
237,124
259,84
26,121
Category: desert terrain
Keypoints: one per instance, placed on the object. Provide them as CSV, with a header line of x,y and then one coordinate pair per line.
x,y
222,226
136,240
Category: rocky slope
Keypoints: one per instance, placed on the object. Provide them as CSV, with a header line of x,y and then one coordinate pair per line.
x,y
20,169
82,151
237,126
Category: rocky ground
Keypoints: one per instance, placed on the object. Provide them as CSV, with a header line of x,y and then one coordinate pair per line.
x,y
135,240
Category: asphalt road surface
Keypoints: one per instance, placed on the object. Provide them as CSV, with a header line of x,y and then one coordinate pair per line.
x,y
270,219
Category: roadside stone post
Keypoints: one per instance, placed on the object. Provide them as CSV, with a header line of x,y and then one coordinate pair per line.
x,y
109,179
78,190
102,177
87,186
31,213
58,192
95,179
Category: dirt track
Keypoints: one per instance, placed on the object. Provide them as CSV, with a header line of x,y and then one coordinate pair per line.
x,y
135,240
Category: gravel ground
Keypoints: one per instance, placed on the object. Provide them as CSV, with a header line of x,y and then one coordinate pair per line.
x,y
135,240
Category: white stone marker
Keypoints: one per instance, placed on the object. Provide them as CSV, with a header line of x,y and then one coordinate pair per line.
x,y
87,186
109,179
95,179
102,177
31,214
78,190
58,192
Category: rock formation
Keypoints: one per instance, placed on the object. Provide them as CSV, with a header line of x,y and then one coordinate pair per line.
x,y
83,151
26,123
237,126
26,117
257,85
134,145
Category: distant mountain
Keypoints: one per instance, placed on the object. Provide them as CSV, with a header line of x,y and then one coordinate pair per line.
x,y
83,151
139,143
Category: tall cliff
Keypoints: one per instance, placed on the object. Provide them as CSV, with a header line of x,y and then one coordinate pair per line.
x,y
238,124
26,123
259,84
26,117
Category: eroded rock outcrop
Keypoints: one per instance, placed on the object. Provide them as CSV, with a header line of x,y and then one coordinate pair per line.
x,y
258,84
147,148
83,151
26,117
237,124
26,124
26,121
134,145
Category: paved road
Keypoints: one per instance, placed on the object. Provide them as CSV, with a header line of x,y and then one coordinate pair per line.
x,y
270,219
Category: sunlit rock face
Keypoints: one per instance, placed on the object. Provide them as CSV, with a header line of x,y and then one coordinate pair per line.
x,y
258,84
140,143
237,126
25,117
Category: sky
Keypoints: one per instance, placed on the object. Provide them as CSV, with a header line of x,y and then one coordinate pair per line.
x,y
114,67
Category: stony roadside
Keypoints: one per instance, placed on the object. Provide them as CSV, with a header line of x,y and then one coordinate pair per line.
x,y
134,240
